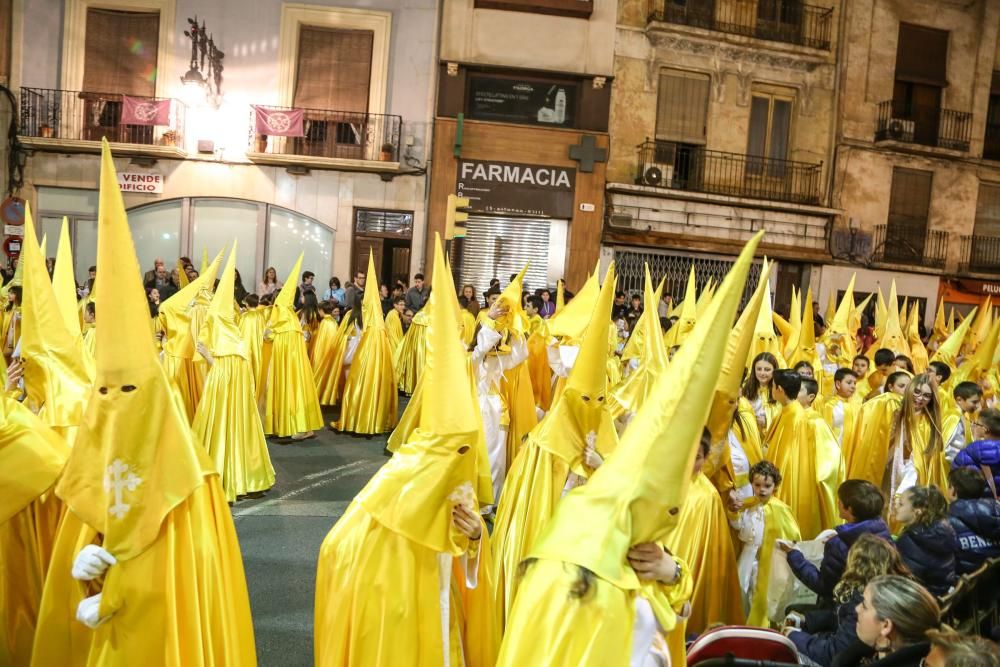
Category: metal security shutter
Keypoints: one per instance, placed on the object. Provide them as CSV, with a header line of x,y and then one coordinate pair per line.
x,y
629,263
497,247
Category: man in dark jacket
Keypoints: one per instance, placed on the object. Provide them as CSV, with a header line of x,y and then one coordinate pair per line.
x,y
860,505
984,453
418,294
975,518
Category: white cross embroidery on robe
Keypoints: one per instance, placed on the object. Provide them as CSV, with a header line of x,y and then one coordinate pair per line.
x,y
118,479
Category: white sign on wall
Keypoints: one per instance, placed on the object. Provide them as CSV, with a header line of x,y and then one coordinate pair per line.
x,y
136,182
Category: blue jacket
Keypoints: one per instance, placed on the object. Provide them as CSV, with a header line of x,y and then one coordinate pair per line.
x,y
980,453
821,580
977,526
825,635
929,552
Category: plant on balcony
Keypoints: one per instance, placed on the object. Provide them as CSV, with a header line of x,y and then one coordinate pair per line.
x,y
169,138
260,145
388,151
50,121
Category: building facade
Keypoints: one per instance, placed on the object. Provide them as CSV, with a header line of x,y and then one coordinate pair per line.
x,y
297,127
521,129
917,172
722,123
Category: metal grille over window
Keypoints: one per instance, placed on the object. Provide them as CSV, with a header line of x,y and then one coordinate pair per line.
x,y
630,263
499,247
383,222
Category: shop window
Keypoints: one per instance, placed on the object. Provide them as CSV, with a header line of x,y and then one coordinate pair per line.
x,y
770,132
156,232
79,207
522,99
288,234
214,225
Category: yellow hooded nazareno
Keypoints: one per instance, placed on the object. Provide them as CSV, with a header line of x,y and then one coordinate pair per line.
x,y
635,497
227,424
370,396
136,480
553,450
633,391
385,589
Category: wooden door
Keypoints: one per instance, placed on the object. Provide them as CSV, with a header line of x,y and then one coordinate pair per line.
x,y
362,245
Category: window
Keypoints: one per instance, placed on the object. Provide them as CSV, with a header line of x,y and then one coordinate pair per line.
x,y
921,67
991,147
780,20
988,211
214,225
699,13
120,53
682,107
334,69
156,232
6,34
770,131
80,209
290,233
909,204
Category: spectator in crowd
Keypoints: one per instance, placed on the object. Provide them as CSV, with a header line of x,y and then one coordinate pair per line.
x,y
620,309
153,273
666,303
494,282
192,273
417,295
153,298
860,505
904,363
548,308
354,291
270,284
894,617
927,544
975,516
635,308
386,298
954,649
472,303
303,287
822,634
239,291
984,452
334,291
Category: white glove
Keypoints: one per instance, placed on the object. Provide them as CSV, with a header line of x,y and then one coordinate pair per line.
x,y
88,611
91,562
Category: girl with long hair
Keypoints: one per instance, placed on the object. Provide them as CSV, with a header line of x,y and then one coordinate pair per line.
x,y
928,543
270,284
915,443
757,390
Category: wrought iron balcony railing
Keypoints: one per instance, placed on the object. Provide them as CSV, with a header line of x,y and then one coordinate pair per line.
x,y
908,241
666,164
777,20
91,116
924,125
333,134
980,254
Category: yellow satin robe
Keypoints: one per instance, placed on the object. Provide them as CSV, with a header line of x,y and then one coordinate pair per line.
x,y
931,468
779,524
183,601
519,400
252,325
538,364
847,432
468,327
290,402
868,454
411,354
394,327
370,401
806,452
378,601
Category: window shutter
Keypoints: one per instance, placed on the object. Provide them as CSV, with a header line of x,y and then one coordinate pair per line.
x,y
120,52
334,69
910,199
922,55
988,211
682,107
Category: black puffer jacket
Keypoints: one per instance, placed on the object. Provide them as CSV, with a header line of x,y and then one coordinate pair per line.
x,y
825,635
929,552
977,526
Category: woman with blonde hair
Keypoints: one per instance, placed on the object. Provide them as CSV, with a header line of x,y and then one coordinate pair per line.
x,y
894,617
915,445
270,284
825,633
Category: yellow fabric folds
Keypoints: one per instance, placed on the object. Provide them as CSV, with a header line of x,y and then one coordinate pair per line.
x,y
252,325
327,356
779,524
868,453
411,355
394,327
290,402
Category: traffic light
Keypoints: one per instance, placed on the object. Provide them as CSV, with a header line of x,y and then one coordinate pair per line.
x,y
456,217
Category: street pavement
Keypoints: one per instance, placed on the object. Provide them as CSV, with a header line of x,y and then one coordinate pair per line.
x,y
280,535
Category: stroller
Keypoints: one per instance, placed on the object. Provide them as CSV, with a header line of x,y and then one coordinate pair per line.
x,y
742,646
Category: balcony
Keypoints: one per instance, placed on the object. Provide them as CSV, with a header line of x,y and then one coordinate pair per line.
x,y
665,164
76,121
776,20
908,242
923,125
330,140
980,254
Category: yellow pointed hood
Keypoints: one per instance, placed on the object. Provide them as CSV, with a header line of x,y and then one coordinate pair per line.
x,y
182,277
840,323
765,339
727,388
221,333
940,331
44,248
653,360
951,348
805,347
857,312
181,300
637,494
918,353
831,306
570,321
637,339
283,317
371,303
18,279
687,312
894,338
64,284
134,459
560,296
704,298
204,261
981,325
175,314
881,314
981,361
951,321
515,320
55,377
436,468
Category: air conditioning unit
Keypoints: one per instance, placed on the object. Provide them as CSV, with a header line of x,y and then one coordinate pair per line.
x,y
899,128
658,174
620,219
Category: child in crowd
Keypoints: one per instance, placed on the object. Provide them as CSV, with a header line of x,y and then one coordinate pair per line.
x,y
884,365
984,452
762,520
820,635
842,411
757,390
808,392
958,425
975,517
805,369
928,543
860,505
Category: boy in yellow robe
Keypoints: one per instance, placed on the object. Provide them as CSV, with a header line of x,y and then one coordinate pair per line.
x,y
602,549
956,429
538,358
403,576
394,323
31,458
842,410
147,509
803,447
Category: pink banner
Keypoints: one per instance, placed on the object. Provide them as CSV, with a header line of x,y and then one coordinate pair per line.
x,y
279,122
144,111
